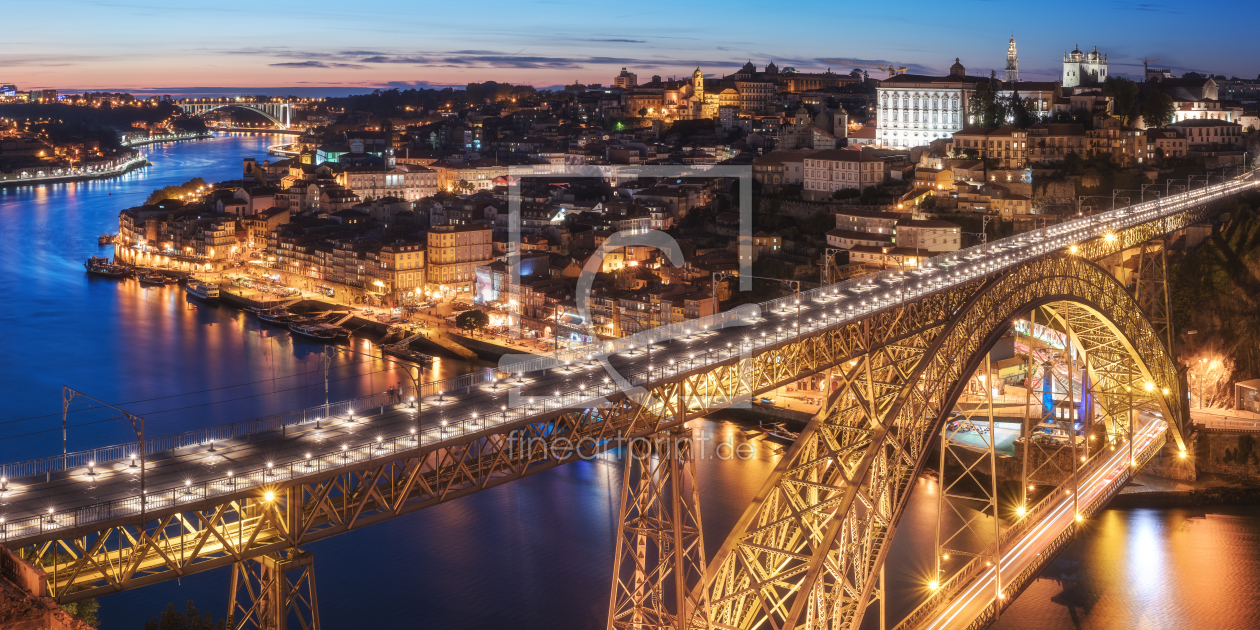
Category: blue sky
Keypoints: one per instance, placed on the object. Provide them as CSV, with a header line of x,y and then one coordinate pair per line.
x,y
315,47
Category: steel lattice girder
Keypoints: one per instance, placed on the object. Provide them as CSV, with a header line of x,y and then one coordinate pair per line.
x,y
808,550
199,536
877,358
659,561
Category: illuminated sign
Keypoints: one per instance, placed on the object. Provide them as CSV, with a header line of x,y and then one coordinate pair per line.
x,y
1049,336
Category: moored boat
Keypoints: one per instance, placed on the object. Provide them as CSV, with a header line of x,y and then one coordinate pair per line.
x,y
101,266
321,332
405,352
155,278
203,291
779,431
279,318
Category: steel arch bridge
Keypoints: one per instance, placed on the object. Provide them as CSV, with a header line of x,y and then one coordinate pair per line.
x,y
809,549
279,112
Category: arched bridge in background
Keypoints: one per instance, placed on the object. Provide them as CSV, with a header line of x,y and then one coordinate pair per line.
x,y
278,111
899,354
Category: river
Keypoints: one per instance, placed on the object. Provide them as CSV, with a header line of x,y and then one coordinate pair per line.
x,y
533,554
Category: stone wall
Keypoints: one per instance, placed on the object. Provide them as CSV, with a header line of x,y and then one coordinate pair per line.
x,y
1229,453
24,601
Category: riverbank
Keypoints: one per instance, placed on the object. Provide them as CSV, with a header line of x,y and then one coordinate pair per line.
x,y
18,180
168,138
1149,491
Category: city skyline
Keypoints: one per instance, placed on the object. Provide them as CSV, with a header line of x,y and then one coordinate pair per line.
x,y
322,52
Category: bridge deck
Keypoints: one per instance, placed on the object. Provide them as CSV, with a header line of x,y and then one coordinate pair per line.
x,y
972,602
192,476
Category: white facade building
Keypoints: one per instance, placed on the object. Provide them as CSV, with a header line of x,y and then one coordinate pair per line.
x,y
916,109
1080,68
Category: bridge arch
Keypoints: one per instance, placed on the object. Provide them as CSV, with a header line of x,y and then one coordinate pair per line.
x,y
809,549
200,109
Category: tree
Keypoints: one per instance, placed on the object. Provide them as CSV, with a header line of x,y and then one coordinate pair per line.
x,y
1124,95
190,619
472,321
464,187
1017,110
85,610
1158,110
988,109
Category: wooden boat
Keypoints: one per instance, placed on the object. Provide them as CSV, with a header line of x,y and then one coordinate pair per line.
x,y
319,332
155,278
100,266
779,431
405,352
279,318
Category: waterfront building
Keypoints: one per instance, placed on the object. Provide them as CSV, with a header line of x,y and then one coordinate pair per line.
x,y
401,271
453,254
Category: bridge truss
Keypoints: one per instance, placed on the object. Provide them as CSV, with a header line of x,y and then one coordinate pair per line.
x,y
810,548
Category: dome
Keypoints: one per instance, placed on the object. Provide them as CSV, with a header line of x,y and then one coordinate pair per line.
x,y
957,70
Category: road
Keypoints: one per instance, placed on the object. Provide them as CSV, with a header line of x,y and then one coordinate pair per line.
x,y
972,602
575,380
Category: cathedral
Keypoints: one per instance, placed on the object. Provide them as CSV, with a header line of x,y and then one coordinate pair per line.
x,y
1084,69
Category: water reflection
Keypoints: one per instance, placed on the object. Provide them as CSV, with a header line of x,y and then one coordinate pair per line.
x,y
536,553
1146,568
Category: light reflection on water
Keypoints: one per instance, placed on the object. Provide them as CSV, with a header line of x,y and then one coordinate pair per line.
x,y
1146,568
535,553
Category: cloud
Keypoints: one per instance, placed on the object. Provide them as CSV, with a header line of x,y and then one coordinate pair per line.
x,y
402,85
616,41
316,64
1148,7
44,60
388,59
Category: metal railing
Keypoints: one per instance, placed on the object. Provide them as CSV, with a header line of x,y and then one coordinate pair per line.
x,y
240,429
967,261
890,287
946,591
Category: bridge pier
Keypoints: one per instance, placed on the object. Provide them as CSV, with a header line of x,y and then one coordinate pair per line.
x,y
265,594
660,557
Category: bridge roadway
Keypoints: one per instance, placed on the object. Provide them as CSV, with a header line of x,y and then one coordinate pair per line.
x,y
36,509
1052,525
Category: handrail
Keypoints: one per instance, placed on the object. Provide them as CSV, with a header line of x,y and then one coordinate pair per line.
x,y
1086,228
964,575
225,432
1065,234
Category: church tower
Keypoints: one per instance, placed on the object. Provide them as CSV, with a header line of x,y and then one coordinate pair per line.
x,y
1012,62
697,81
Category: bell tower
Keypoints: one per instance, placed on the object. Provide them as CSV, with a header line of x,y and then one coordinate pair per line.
x,y
1012,62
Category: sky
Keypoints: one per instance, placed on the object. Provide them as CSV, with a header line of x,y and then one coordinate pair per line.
x,y
319,47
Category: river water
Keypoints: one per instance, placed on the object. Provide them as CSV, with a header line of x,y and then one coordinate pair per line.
x,y
533,554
